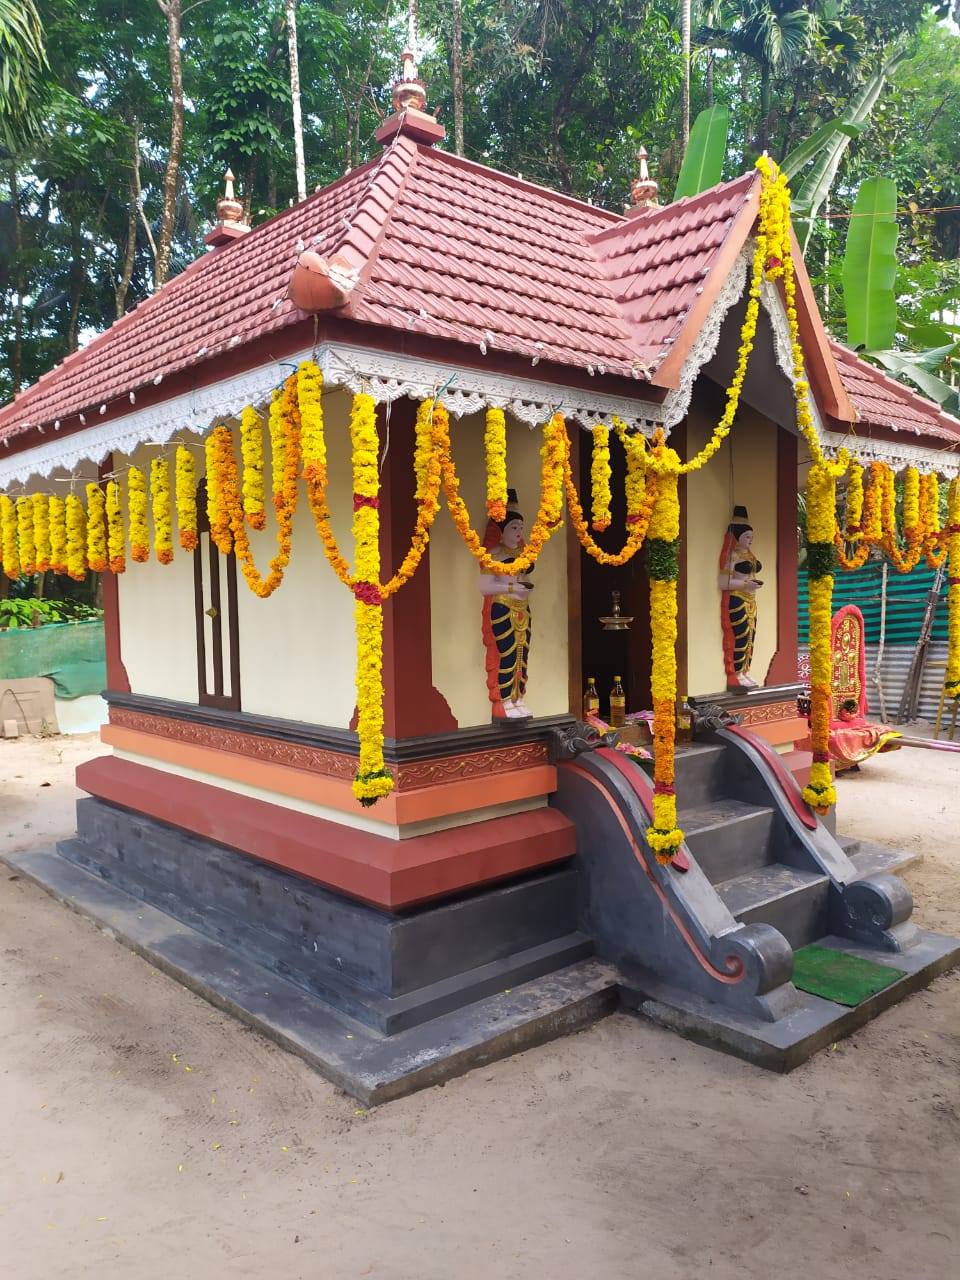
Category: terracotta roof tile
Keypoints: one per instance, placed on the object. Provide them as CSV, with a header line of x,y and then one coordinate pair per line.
x,y
881,401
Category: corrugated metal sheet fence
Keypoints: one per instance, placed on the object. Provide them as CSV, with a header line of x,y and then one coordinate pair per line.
x,y
906,599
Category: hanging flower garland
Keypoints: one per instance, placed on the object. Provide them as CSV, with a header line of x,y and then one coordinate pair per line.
x,y
820,793
906,558
25,535
218,448
8,538
137,515
372,780
427,446
952,678
251,451
41,532
116,535
185,486
96,529
76,526
872,523
934,545
600,479
663,568
57,524
162,510
853,523
641,497
495,451
310,403
553,460
635,448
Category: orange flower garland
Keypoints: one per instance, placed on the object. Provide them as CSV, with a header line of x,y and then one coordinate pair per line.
x,y
951,682
8,538
251,451
185,484
495,449
116,536
934,546
76,523
96,529
137,515
25,535
218,448
853,523
162,511
41,532
819,792
600,479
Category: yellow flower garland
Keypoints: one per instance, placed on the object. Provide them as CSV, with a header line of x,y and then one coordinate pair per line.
x,y
871,522
96,529
372,780
41,532
952,677
251,451
310,402
664,837
25,535
495,449
57,523
8,537
600,479
76,526
116,535
218,448
137,515
853,523
820,793
162,510
185,483
934,546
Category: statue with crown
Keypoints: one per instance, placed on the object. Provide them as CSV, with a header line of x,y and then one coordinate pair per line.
x,y
506,617
739,584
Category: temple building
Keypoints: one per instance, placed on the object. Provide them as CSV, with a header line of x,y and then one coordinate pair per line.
x,y
502,888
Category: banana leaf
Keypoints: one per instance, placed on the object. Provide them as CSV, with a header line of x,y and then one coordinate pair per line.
x,y
870,266
801,156
703,159
906,364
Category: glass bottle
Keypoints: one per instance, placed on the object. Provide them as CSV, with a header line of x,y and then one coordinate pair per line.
x,y
618,704
591,699
684,720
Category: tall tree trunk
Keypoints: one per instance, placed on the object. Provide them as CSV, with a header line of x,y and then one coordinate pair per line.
x,y
763,131
171,177
133,210
16,363
686,8
710,91
291,10
457,76
77,276
413,34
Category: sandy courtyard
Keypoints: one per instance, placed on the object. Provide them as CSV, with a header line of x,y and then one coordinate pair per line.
x,y
146,1135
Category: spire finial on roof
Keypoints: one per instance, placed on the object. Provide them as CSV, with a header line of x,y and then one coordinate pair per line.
x,y
643,192
230,224
410,115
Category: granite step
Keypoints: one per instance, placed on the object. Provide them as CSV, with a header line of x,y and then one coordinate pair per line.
x,y
792,901
728,837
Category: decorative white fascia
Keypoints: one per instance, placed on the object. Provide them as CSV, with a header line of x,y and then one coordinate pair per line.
x,y
868,449
384,376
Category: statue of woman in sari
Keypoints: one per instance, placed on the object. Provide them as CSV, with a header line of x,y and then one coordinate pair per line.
x,y
506,618
739,585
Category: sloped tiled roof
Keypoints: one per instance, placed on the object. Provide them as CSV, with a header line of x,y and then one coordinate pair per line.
x,y
881,401
451,249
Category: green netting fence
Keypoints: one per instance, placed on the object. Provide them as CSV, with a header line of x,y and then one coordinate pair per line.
x,y
71,653
906,599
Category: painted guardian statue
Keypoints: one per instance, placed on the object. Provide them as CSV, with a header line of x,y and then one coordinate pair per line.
x,y
738,602
506,618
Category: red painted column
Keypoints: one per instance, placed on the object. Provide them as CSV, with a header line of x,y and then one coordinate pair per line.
x,y
783,665
412,706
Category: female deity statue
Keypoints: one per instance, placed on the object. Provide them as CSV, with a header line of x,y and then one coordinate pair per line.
x,y
506,618
739,584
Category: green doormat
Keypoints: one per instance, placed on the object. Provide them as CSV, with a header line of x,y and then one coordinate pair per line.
x,y
837,976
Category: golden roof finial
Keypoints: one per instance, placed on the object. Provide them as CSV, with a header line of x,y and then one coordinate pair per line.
x,y
229,208
409,90
644,191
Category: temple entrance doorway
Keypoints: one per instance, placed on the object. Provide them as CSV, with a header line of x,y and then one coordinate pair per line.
x,y
605,654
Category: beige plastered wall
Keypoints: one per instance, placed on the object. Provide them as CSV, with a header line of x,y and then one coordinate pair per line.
x,y
744,473
297,656
459,671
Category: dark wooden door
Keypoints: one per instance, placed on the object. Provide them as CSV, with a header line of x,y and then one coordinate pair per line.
x,y
215,605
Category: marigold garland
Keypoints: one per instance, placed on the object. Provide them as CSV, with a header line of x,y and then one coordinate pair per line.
x,y
218,449
251,451
600,479
137,515
41,532
96,529
372,780
8,537
905,558
495,451
952,678
185,486
934,546
852,524
25,535
116,535
640,502
162,509
310,403
820,793
76,527
664,837
57,524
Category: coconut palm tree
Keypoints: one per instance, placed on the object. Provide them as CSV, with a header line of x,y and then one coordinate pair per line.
x,y
23,60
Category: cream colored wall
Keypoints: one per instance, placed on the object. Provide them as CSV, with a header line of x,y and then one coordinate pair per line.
x,y
712,492
458,654
297,656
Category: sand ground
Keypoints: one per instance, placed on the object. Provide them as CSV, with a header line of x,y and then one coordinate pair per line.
x,y
144,1134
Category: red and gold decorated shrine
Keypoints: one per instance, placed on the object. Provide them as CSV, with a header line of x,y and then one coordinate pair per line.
x,y
377,489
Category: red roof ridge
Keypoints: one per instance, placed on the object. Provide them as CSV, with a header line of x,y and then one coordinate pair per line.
x,y
664,212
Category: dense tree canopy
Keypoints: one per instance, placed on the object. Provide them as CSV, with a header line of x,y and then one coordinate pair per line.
x,y
563,91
